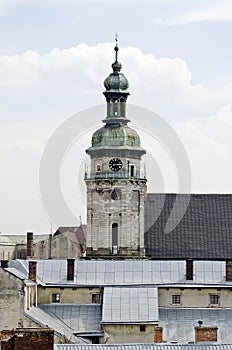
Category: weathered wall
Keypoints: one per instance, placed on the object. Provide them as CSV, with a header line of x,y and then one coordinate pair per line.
x,y
28,323
67,295
11,300
194,297
7,251
207,334
130,333
63,247
27,339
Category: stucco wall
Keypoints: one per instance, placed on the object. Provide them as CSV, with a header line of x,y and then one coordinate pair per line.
x,y
194,297
11,300
130,333
67,295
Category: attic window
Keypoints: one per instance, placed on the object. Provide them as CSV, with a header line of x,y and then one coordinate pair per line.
x,y
56,298
176,299
96,298
214,299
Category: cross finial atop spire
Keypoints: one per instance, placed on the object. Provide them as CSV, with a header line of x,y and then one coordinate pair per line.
x,y
116,48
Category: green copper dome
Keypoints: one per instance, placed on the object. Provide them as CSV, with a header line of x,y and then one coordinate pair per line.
x,y
117,135
116,81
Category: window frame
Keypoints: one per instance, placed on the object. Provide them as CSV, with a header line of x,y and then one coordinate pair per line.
x,y
212,300
97,296
55,298
177,296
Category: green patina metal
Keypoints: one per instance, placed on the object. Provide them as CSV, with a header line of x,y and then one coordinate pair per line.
x,y
115,135
116,81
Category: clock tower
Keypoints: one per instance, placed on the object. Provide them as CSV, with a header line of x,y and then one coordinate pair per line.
x,y
116,183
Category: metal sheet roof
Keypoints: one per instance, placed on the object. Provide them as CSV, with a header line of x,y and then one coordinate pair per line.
x,y
43,319
127,272
178,323
143,347
130,305
80,318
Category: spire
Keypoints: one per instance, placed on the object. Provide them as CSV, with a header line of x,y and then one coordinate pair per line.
x,y
116,48
116,81
116,65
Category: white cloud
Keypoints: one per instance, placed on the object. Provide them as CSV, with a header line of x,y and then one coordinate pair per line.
x,y
87,67
207,11
209,146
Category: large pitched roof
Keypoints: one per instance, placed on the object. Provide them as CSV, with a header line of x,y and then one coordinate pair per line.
x,y
204,232
125,272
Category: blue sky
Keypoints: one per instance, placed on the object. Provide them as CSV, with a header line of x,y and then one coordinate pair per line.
x,y
54,56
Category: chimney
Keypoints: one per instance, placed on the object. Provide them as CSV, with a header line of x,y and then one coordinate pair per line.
x,y
158,334
70,269
208,334
30,244
189,269
32,271
4,264
229,270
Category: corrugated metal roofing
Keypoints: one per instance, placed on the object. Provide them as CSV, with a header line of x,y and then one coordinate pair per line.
x,y
80,318
127,272
143,347
130,305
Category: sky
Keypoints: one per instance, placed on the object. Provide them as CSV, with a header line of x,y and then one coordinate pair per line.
x,y
54,57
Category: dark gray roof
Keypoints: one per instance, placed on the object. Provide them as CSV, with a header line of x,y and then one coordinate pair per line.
x,y
143,347
204,232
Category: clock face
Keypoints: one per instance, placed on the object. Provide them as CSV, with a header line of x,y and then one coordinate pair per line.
x,y
115,164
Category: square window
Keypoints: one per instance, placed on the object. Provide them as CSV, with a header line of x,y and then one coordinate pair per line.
x,y
142,328
214,299
176,299
56,298
96,298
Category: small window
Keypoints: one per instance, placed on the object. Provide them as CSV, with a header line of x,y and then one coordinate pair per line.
x,y
98,167
142,328
96,298
176,299
56,298
214,299
132,170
